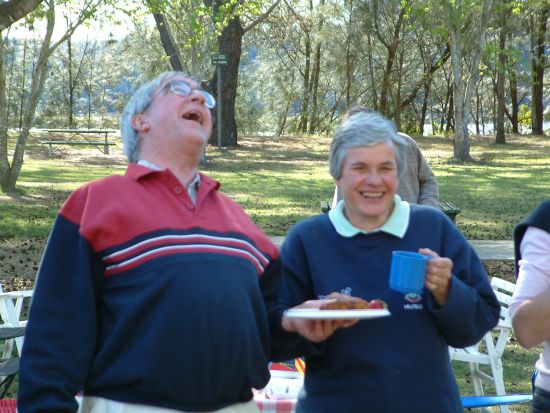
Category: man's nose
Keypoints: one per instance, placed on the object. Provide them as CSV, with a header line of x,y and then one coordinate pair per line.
x,y
196,95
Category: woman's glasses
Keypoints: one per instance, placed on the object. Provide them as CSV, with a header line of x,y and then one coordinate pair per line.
x,y
182,88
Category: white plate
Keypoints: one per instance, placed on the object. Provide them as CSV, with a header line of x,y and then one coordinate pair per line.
x,y
316,314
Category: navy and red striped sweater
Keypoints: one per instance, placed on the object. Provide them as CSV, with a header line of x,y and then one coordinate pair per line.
x,y
143,297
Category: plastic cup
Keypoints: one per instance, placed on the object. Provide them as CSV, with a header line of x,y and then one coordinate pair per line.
x,y
408,270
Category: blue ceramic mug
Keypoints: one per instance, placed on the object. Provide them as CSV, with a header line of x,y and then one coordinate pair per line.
x,y
408,271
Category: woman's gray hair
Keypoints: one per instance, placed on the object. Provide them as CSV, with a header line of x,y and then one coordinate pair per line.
x,y
363,129
138,103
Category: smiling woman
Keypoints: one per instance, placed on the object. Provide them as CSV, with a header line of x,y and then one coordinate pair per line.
x,y
349,251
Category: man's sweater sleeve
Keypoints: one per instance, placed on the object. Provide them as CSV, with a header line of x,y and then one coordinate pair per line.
x,y
61,331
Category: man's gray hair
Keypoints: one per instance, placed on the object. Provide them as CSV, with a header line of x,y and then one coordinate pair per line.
x,y
363,129
137,104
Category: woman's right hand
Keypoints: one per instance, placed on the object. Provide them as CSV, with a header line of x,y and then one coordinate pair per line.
x,y
313,329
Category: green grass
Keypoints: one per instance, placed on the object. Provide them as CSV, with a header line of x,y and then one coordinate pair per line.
x,y
280,181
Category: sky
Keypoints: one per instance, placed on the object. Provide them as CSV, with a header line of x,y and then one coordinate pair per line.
x,y
94,30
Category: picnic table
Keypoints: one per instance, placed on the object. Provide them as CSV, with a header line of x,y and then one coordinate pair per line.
x,y
89,138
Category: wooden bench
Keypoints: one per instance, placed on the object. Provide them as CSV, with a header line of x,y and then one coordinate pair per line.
x,y
325,207
450,209
101,145
87,135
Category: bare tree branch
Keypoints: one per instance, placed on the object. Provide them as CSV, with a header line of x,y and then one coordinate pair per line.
x,y
166,37
262,17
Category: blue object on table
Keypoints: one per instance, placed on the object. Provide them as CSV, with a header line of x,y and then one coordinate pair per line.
x,y
469,402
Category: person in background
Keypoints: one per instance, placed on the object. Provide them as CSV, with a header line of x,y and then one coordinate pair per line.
x,y
417,183
156,292
398,363
530,306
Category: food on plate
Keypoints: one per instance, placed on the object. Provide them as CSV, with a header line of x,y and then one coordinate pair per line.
x,y
354,303
377,304
351,303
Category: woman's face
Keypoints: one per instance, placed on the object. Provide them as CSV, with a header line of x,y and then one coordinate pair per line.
x,y
368,184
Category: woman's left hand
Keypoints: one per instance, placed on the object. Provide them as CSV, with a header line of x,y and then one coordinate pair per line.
x,y
438,275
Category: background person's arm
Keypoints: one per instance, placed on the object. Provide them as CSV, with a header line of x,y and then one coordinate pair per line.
x,y
429,190
531,302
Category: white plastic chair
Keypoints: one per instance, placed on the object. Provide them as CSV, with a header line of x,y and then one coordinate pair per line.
x,y
12,331
489,350
11,312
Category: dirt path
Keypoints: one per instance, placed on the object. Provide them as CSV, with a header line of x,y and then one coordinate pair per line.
x,y
19,261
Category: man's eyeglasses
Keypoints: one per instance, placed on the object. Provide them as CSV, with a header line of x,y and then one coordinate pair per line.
x,y
182,88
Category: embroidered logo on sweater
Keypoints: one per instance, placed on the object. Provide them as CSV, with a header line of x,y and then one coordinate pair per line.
x,y
413,301
345,291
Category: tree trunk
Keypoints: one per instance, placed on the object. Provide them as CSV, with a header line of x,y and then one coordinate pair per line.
x,y
462,93
7,82
461,138
306,87
285,115
476,114
538,62
450,126
166,39
9,175
23,84
71,83
501,69
230,44
14,10
399,81
392,51
374,86
4,164
514,118
348,57
37,86
424,109
482,111
314,119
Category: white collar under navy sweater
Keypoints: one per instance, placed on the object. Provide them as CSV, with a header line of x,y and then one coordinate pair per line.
x,y
396,224
193,187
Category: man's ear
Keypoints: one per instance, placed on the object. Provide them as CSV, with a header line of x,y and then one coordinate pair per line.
x,y
140,123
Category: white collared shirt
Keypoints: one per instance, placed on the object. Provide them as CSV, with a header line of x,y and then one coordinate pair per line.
x,y
396,224
192,188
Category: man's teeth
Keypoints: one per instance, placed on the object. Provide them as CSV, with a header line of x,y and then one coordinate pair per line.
x,y
193,116
372,194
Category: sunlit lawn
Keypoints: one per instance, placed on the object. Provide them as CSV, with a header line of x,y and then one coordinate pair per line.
x,y
279,181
